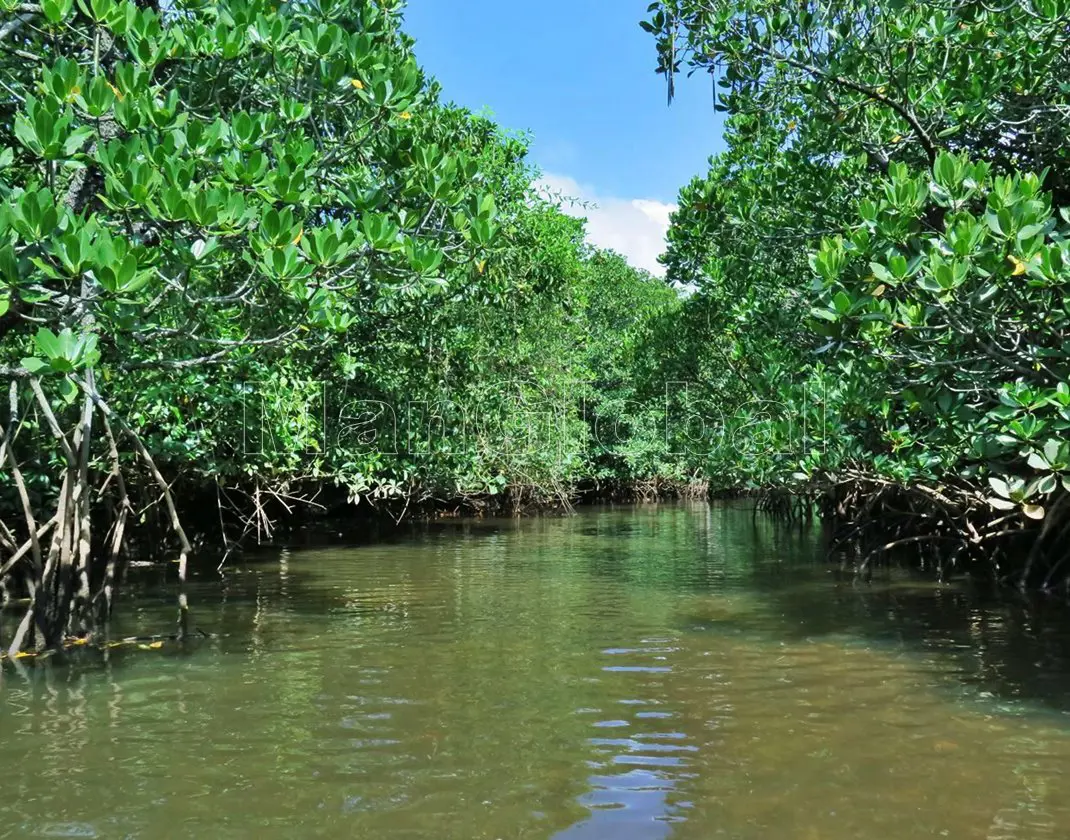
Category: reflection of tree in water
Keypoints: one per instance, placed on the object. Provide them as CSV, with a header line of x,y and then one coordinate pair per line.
x,y
771,579
999,644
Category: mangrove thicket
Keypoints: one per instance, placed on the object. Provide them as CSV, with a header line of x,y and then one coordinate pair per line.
x,y
254,265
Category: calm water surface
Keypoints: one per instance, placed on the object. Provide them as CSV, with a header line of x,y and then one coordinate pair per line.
x,y
628,674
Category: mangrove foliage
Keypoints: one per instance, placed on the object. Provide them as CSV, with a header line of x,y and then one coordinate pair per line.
x,y
253,266
881,253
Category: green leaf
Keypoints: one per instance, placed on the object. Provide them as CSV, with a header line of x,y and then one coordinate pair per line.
x,y
999,486
68,390
35,365
77,139
48,343
57,10
1037,461
930,284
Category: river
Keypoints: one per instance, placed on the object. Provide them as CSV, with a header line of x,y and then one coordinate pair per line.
x,y
627,674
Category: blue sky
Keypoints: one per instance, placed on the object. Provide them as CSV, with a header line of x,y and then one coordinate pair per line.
x,y
579,75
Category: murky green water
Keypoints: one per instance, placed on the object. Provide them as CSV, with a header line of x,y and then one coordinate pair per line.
x,y
630,674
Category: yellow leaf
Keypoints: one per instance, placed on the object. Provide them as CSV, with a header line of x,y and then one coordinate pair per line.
x,y
482,264
897,138
357,83
877,292
1033,511
791,125
405,115
1019,266
118,93
24,654
297,239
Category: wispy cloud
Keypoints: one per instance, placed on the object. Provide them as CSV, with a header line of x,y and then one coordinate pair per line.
x,y
634,227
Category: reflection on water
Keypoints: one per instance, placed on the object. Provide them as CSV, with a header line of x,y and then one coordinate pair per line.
x,y
626,674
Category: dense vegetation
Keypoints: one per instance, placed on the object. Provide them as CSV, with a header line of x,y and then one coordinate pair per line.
x,y
251,264
881,258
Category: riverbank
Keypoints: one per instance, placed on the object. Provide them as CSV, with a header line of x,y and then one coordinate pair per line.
x,y
865,522
944,530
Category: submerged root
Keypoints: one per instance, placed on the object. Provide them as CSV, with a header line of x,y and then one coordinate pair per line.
x,y
786,505
648,490
950,528
69,583
102,646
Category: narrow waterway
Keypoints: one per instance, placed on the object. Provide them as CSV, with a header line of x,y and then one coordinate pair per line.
x,y
627,674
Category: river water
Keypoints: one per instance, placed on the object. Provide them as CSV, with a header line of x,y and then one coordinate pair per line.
x,y
627,674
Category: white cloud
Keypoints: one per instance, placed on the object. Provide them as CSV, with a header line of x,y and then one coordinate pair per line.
x,y
634,227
